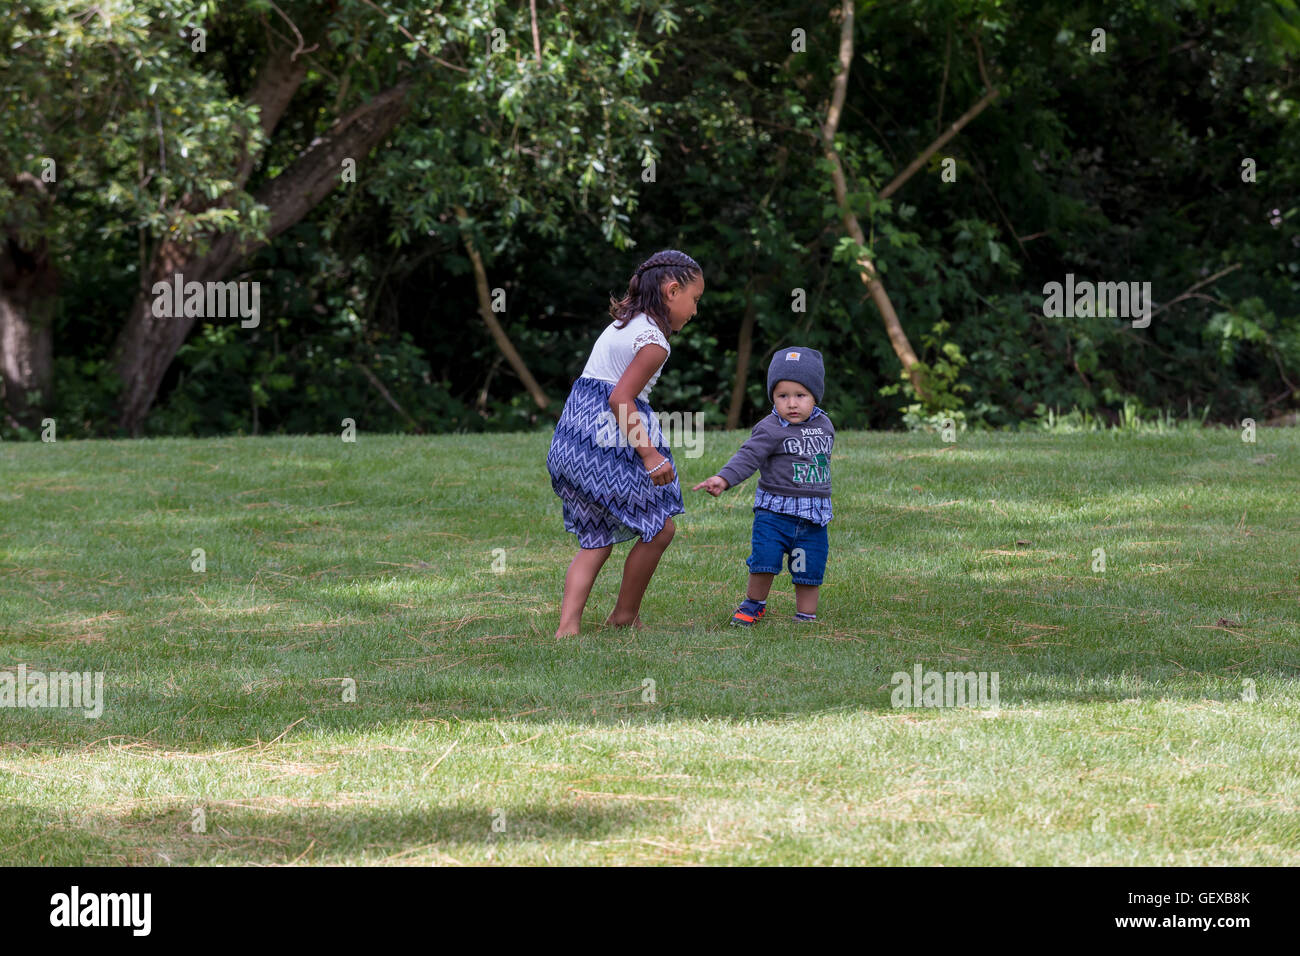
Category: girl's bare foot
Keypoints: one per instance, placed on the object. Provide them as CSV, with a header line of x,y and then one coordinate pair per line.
x,y
635,622
566,630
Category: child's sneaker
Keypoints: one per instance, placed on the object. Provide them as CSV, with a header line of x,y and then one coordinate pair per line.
x,y
749,613
805,618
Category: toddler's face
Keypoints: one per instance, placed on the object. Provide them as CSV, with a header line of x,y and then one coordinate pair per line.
x,y
682,301
793,401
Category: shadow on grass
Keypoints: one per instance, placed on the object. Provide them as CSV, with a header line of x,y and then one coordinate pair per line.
x,y
613,680
287,830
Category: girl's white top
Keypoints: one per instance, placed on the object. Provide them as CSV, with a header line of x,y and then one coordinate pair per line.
x,y
614,350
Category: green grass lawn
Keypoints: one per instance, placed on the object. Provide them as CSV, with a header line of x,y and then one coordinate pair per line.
x,y
1126,732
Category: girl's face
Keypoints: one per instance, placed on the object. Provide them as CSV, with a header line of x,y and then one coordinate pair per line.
x,y
793,401
682,301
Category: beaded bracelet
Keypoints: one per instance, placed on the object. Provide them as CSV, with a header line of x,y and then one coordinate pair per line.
x,y
657,467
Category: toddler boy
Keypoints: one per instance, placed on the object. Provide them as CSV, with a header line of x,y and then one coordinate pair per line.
x,y
791,450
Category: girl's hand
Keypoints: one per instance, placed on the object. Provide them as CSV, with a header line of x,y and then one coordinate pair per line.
x,y
714,486
665,475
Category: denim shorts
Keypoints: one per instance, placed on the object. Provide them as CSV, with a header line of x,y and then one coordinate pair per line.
x,y
803,542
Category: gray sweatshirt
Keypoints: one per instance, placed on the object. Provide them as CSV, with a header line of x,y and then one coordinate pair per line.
x,y
794,458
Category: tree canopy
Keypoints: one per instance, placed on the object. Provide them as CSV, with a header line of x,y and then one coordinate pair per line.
x,y
437,200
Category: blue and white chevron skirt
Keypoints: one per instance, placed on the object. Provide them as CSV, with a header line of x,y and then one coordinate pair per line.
x,y
607,494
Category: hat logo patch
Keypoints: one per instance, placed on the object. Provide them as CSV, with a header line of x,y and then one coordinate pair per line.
x,y
792,356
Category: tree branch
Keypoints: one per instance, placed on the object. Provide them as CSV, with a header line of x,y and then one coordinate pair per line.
x,y
418,45
293,193
490,320
1191,289
537,42
277,83
934,147
379,386
893,328
943,84
302,44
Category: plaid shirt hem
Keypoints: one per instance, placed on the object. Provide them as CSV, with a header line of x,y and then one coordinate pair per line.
x,y
816,510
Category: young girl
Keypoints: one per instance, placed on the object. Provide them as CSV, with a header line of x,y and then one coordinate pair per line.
x,y
609,462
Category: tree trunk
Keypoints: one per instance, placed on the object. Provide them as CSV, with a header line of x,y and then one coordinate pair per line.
x,y
277,82
744,348
490,320
27,306
147,343
893,328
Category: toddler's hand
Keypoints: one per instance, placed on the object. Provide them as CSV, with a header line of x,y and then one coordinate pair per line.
x,y
714,486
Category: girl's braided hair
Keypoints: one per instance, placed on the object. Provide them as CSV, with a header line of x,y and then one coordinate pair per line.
x,y
644,293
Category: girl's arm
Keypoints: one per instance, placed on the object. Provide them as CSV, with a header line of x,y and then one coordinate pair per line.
x,y
622,402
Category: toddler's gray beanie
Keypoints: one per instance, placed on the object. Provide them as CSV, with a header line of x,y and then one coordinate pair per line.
x,y
798,364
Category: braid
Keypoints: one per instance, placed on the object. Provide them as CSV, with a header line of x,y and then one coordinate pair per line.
x,y
643,290
668,257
